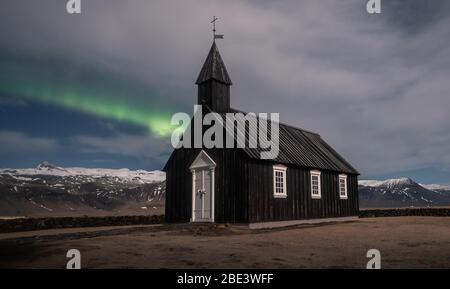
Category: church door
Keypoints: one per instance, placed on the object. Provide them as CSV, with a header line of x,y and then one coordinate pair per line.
x,y
202,198
203,188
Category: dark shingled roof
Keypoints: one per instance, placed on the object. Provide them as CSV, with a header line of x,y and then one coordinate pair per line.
x,y
297,146
214,68
303,148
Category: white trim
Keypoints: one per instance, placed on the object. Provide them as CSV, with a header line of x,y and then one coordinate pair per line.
x,y
315,173
212,194
193,196
203,199
282,169
195,164
343,177
198,165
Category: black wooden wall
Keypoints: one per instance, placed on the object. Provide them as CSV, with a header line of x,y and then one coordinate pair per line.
x,y
244,190
215,95
299,204
231,198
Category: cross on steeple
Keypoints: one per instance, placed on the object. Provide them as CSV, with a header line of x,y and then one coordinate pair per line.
x,y
215,36
213,80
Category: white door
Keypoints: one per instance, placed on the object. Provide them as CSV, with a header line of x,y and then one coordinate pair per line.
x,y
202,195
203,168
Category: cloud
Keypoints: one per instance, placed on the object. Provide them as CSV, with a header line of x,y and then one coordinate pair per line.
x,y
374,86
18,142
139,146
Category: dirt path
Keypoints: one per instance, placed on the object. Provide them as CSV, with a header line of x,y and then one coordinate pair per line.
x,y
404,242
67,231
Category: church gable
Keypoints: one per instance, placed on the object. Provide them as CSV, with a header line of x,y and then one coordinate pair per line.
x,y
202,160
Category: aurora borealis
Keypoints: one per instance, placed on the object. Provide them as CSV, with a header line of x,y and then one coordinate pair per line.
x,y
93,98
93,93
139,113
158,122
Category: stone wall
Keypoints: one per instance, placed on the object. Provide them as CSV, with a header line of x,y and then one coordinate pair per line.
x,y
29,224
437,212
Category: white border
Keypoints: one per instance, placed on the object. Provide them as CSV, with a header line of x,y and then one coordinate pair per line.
x,y
194,166
315,173
342,176
282,169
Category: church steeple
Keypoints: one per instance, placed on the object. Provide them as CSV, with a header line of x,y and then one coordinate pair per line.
x,y
214,68
214,82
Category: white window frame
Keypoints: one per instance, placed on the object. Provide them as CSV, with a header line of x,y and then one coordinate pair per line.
x,y
343,177
281,169
317,174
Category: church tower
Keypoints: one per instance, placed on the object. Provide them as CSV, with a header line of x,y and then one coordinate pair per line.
x,y
214,83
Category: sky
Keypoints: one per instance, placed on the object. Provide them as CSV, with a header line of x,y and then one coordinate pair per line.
x,y
98,89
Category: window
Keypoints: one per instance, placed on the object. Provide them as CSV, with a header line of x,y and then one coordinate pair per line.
x,y
315,185
343,186
279,181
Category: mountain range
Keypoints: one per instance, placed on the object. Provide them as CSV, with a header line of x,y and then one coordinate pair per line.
x,y
50,190
402,192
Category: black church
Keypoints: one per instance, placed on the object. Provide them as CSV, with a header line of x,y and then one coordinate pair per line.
x,y
308,181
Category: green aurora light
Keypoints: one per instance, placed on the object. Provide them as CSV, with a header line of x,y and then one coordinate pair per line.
x,y
93,101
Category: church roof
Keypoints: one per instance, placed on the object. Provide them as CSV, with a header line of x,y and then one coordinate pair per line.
x,y
214,68
297,147
302,148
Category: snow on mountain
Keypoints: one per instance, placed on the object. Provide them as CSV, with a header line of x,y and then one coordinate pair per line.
x,y
52,190
386,183
47,169
399,193
437,188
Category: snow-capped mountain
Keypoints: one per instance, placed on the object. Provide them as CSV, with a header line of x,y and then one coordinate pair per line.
x,y
390,183
402,192
124,175
53,190
437,188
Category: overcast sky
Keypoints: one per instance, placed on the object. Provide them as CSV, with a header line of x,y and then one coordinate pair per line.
x,y
97,89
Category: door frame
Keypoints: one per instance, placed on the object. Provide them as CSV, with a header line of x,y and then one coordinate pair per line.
x,y
203,162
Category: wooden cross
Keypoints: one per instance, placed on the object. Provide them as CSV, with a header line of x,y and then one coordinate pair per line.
x,y
215,36
214,24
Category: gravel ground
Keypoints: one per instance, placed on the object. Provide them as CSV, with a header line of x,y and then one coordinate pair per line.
x,y
404,242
